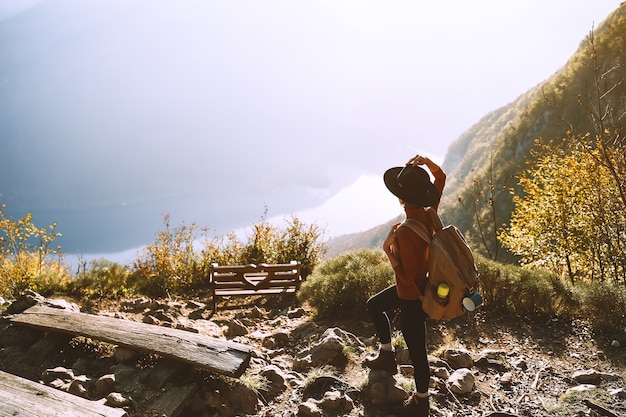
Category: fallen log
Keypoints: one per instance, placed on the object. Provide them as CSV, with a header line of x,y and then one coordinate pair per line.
x,y
217,355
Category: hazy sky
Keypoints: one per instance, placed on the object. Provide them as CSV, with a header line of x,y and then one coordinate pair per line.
x,y
212,110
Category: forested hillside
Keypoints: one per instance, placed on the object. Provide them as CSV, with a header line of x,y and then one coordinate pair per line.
x,y
484,163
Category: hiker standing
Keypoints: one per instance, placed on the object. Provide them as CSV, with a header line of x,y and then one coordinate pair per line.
x,y
408,254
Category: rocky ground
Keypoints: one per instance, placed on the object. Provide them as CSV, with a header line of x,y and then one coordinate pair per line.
x,y
487,365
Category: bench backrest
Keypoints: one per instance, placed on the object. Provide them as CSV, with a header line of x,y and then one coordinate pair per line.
x,y
255,277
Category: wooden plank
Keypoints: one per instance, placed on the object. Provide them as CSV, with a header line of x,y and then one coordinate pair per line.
x,y
172,401
43,347
235,292
217,355
258,286
25,398
164,371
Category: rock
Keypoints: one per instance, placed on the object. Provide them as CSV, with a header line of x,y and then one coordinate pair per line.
x,y
199,313
378,394
181,325
213,398
59,384
296,313
276,382
591,376
402,356
441,372
520,363
581,388
235,328
457,358
331,349
79,388
57,373
384,390
322,384
506,380
123,355
26,300
461,381
243,397
194,305
256,313
309,408
80,366
150,319
115,399
123,372
62,305
302,362
104,384
138,305
490,358
332,401
619,393
407,370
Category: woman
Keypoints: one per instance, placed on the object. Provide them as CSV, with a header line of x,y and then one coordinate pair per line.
x,y
408,254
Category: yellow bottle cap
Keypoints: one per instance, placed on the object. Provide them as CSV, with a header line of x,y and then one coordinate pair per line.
x,y
443,290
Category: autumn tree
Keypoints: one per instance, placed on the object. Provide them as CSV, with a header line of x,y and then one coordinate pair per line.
x,y
28,258
569,217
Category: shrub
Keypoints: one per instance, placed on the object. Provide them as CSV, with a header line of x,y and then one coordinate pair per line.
x,y
178,261
342,285
604,304
524,291
27,258
168,265
101,278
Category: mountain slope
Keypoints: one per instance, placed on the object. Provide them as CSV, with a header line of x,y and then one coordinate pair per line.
x,y
483,163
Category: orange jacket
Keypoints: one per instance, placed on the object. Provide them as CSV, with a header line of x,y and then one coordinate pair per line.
x,y
412,251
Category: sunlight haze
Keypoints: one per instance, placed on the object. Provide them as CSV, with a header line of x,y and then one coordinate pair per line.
x,y
115,112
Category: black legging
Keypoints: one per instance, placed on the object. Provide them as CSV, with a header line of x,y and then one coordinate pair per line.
x,y
412,325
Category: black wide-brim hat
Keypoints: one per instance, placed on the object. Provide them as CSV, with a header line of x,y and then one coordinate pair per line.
x,y
412,185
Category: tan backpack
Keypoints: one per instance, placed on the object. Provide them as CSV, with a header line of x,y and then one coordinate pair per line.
x,y
452,275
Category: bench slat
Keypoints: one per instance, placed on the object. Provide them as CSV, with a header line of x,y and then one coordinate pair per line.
x,y
26,398
236,292
261,279
218,355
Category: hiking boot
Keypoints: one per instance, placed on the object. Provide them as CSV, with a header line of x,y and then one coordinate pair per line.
x,y
385,361
415,406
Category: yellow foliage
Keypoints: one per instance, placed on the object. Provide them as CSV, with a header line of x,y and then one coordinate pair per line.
x,y
570,217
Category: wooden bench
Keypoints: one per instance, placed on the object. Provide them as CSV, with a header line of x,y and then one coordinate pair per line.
x,y
217,355
23,397
247,280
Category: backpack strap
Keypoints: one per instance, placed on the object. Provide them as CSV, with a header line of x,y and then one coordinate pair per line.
x,y
418,228
437,223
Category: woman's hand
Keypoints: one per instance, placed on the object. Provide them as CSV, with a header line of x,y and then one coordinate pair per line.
x,y
423,160
388,245
419,160
391,237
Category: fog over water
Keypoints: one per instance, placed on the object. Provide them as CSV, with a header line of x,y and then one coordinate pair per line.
x,y
114,112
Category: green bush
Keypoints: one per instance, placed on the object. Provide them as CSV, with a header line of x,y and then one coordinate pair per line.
x,y
604,304
342,285
524,291
101,278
